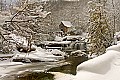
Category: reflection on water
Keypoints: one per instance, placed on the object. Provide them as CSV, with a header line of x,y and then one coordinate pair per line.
x,y
37,76
70,68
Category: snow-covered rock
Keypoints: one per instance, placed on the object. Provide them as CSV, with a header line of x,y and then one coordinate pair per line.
x,y
57,38
58,52
77,53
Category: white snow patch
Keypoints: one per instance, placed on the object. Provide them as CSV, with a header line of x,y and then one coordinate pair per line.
x,y
7,67
56,51
19,39
57,38
114,47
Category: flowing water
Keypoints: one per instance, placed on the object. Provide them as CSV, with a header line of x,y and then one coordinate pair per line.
x,y
13,70
40,70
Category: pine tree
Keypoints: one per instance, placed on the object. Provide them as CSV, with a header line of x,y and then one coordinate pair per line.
x,y
100,33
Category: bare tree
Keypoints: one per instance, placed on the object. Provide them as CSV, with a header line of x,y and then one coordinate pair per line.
x,y
24,20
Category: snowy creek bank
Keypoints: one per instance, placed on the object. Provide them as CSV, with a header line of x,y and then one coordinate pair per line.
x,y
16,71
42,70
39,55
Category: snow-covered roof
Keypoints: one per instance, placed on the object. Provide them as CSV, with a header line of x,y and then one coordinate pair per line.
x,y
67,23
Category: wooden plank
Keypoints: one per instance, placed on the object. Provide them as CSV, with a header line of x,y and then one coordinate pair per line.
x,y
18,21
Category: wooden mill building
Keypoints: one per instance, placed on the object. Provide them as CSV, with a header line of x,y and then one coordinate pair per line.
x,y
65,26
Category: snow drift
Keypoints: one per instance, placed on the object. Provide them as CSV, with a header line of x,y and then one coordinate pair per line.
x,y
104,67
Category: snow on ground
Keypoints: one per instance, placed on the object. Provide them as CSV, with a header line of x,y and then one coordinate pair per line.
x,y
39,54
104,67
7,67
